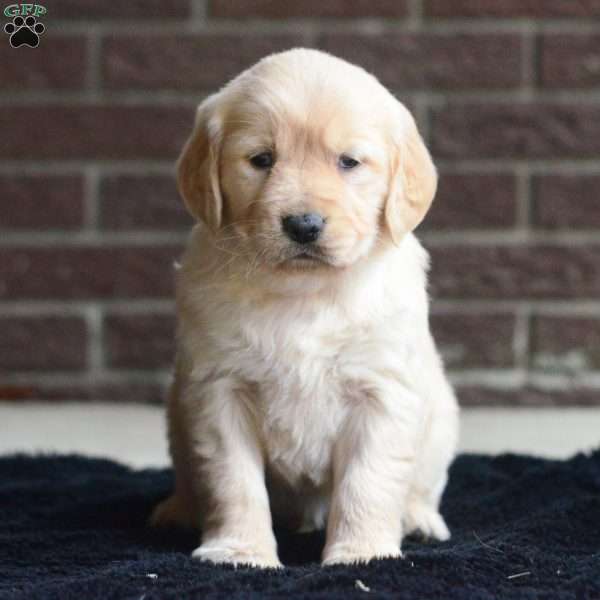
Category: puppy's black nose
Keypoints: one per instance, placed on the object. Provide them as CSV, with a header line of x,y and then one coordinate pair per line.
x,y
303,229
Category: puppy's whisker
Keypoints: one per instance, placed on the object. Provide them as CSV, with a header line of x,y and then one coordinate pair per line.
x,y
252,265
234,238
226,239
230,252
236,223
256,261
225,265
239,222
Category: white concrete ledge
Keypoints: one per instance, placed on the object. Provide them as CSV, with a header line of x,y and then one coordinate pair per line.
x,y
136,435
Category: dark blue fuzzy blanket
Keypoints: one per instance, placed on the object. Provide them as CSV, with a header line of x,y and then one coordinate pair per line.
x,y
75,528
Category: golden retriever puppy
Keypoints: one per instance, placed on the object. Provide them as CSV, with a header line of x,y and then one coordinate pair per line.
x,y
308,389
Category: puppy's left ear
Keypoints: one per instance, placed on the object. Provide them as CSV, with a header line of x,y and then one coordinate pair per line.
x,y
413,181
198,166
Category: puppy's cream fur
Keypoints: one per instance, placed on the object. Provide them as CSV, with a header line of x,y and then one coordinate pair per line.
x,y
307,391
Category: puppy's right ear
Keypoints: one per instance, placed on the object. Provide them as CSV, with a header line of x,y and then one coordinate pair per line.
x,y
198,166
414,177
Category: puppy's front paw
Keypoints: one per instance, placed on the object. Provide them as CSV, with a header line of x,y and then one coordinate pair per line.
x,y
345,554
235,552
427,521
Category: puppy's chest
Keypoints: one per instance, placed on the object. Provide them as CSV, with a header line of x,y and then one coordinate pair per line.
x,y
304,375
300,422
300,403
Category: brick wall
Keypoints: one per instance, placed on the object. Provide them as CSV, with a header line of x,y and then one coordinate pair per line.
x,y
506,93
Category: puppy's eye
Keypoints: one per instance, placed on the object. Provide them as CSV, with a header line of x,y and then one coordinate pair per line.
x,y
347,162
264,160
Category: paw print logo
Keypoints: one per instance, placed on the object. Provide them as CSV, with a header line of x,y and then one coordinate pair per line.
x,y
24,32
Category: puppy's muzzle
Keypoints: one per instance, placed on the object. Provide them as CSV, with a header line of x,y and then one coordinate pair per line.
x,y
303,229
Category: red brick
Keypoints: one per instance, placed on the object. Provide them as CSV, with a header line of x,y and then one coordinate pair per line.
x,y
566,201
570,60
473,201
87,272
198,61
139,341
42,343
526,130
89,10
514,272
141,202
528,396
128,391
512,8
276,9
60,63
438,60
41,202
475,340
565,343
94,132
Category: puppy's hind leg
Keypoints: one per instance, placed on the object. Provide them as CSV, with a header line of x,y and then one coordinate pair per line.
x,y
172,512
439,446
179,509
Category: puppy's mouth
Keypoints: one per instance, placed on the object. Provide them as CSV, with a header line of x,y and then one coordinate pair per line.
x,y
306,258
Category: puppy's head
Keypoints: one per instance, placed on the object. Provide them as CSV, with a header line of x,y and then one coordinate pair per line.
x,y
305,161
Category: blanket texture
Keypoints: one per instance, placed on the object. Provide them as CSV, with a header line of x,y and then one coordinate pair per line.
x,y
75,528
